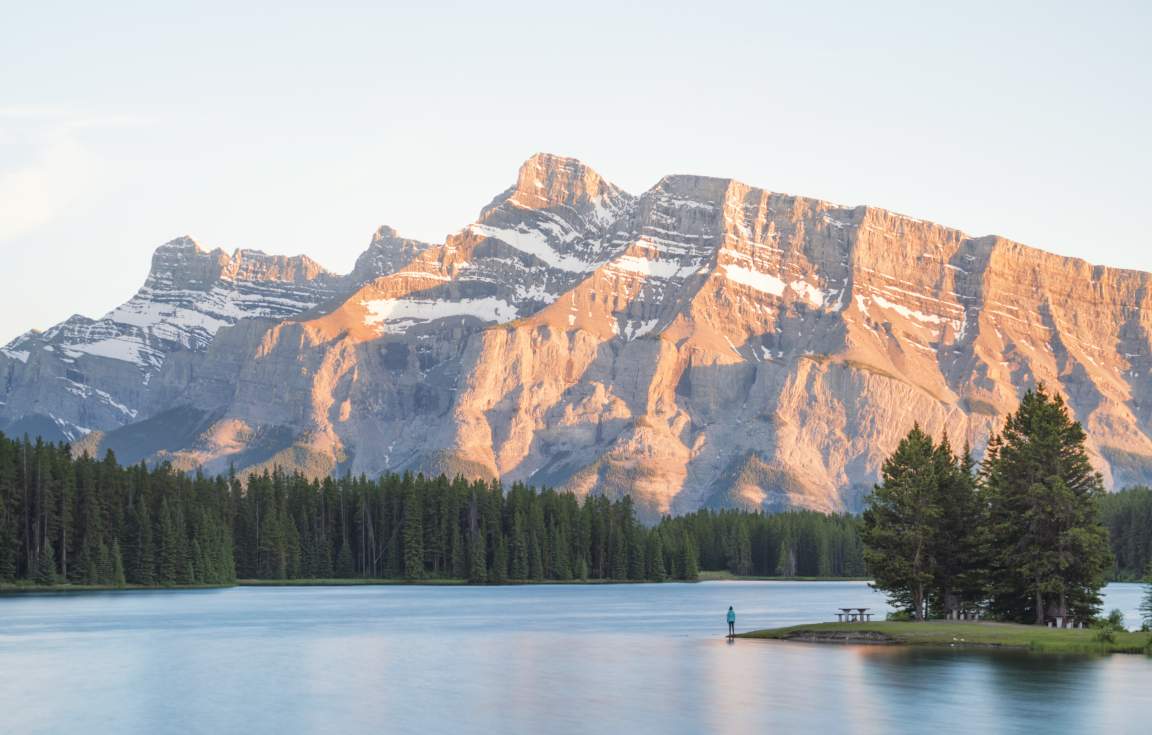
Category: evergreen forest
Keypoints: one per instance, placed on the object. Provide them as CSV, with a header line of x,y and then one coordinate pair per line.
x,y
86,521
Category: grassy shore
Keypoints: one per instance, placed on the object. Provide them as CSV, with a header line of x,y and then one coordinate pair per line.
x,y
942,634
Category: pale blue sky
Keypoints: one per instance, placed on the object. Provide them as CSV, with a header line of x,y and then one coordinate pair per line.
x,y
292,130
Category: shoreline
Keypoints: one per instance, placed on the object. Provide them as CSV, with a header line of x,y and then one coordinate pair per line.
x,y
958,635
723,576
23,589
26,588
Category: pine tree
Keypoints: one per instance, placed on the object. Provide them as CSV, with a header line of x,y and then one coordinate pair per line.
x,y
273,549
957,544
9,554
537,535
197,566
1048,551
785,559
561,558
656,569
103,565
637,564
413,533
172,565
477,563
690,563
499,570
739,550
900,522
459,560
619,553
46,572
345,568
141,567
518,549
117,564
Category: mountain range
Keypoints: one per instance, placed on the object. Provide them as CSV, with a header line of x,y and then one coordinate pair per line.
x,y
706,343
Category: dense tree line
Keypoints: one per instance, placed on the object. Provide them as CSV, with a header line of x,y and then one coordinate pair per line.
x,y
1021,538
791,544
64,519
1128,517
80,520
412,527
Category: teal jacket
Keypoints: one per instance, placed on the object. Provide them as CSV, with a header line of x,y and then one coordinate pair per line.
x,y
731,616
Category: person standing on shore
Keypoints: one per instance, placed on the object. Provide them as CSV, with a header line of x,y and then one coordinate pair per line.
x,y
731,622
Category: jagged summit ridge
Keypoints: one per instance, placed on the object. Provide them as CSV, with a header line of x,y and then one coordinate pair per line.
x,y
95,374
703,343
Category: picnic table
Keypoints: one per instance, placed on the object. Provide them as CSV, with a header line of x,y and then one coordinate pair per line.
x,y
854,615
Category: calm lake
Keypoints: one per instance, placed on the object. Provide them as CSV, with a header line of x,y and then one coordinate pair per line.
x,y
533,659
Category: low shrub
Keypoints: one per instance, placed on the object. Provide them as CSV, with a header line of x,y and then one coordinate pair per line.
x,y
1107,628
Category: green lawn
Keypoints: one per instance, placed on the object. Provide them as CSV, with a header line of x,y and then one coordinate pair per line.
x,y
959,635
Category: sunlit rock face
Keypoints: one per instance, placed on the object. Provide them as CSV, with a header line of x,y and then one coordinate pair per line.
x,y
87,375
706,343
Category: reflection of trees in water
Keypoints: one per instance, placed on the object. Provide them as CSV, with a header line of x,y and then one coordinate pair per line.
x,y
987,691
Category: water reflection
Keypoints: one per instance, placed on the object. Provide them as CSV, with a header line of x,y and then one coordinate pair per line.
x,y
647,658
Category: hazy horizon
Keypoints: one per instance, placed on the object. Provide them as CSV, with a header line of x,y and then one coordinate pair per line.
x,y
299,131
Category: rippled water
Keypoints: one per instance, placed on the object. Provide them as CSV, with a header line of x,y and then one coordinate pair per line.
x,y
555,659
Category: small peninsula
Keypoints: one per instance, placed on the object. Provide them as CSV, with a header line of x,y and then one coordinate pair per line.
x,y
945,634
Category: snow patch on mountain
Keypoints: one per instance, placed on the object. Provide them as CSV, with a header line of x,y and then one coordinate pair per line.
x,y
649,267
536,244
904,311
397,315
765,282
813,294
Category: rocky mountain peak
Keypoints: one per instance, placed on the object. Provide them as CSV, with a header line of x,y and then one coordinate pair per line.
x,y
565,186
182,244
183,264
546,180
387,253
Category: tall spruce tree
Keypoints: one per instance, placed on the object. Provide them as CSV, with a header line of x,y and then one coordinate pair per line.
x,y
657,571
345,568
499,570
690,562
413,535
117,564
900,524
958,544
1048,551
46,572
477,559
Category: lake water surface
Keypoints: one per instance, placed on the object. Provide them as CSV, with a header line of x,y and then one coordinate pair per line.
x,y
531,659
